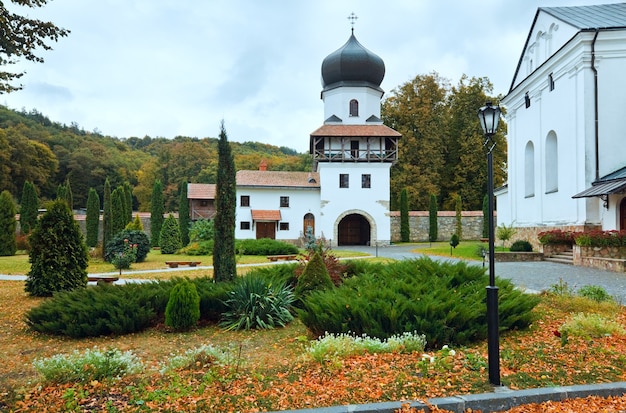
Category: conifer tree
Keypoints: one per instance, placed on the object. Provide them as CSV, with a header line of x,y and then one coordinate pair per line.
x,y
92,220
128,192
405,231
69,197
169,240
118,211
224,264
8,224
459,217
107,228
29,208
432,215
156,213
183,214
58,254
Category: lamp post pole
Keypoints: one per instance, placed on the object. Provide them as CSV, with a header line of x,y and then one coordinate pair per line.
x,y
489,116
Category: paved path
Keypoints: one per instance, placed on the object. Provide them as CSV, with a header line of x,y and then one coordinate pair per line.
x,y
534,276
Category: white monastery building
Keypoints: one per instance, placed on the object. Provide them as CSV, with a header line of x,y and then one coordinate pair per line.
x,y
345,198
566,123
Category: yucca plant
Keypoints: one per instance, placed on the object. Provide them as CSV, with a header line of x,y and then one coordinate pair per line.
x,y
258,303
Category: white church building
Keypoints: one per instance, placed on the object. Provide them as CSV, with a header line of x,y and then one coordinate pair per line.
x,y
565,112
345,198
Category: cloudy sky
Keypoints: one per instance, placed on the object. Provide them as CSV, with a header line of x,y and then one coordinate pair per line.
x,y
165,68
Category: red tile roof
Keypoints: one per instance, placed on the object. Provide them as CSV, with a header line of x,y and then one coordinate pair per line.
x,y
265,215
356,131
200,191
279,179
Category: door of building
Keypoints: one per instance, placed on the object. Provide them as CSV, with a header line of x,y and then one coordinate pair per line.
x,y
309,222
266,230
354,229
622,214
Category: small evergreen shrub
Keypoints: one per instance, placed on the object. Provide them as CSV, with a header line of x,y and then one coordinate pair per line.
x,y
120,241
123,259
183,308
196,248
265,246
595,293
93,364
314,277
255,302
91,312
170,240
201,230
444,301
521,246
135,224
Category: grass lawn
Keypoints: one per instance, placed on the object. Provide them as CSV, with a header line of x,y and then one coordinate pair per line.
x,y
468,250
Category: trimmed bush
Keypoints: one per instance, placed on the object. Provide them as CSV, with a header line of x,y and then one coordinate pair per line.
x,y
169,240
264,246
183,308
120,241
314,278
521,246
258,303
444,301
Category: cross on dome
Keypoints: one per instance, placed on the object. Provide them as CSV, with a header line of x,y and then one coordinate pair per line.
x,y
353,18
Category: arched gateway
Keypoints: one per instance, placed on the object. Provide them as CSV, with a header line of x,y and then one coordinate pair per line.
x,y
354,229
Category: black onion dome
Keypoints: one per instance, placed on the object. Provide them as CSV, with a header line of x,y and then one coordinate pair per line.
x,y
352,64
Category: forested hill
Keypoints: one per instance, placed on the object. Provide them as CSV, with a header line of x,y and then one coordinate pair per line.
x,y
34,148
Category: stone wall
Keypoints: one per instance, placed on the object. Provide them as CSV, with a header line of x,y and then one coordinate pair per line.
x,y
531,234
419,224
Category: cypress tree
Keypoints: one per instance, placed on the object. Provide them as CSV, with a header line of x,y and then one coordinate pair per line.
x,y
224,265
69,197
486,216
107,229
459,217
432,216
29,208
58,254
183,214
118,210
156,213
8,224
128,192
169,240
92,220
62,192
405,231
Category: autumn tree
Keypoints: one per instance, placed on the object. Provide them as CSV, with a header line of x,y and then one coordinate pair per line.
x,y
8,224
156,213
224,265
183,213
29,208
21,36
58,254
92,220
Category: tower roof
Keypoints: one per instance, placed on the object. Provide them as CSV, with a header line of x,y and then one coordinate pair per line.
x,y
352,65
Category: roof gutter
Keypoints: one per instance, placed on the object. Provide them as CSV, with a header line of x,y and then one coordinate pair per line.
x,y
595,101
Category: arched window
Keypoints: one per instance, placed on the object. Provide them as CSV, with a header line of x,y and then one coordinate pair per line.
x,y
354,107
552,163
529,170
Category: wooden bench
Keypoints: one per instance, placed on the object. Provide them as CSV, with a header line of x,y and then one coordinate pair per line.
x,y
175,264
108,280
282,257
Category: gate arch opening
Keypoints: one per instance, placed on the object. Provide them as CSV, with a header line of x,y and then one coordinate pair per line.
x,y
354,229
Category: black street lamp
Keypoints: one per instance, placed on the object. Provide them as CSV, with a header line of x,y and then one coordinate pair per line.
x,y
489,117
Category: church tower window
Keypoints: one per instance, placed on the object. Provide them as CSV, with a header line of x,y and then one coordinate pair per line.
x,y
354,107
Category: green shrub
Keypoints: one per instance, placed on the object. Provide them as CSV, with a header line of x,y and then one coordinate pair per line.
x,y
88,366
444,301
590,326
521,246
265,246
255,302
91,312
595,293
314,277
198,248
204,356
170,240
201,230
183,308
119,242
454,240
505,233
122,260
